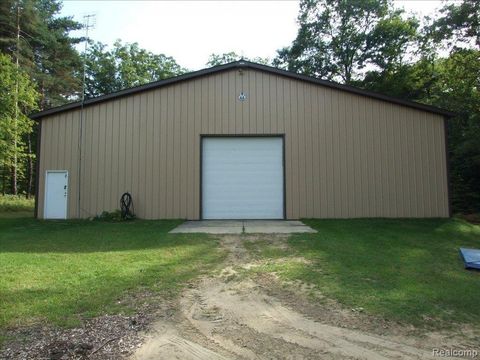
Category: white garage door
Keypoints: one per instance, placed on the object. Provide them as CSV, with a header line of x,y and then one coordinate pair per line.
x,y
242,178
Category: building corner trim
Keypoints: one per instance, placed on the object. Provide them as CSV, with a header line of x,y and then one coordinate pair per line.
x,y
447,161
37,166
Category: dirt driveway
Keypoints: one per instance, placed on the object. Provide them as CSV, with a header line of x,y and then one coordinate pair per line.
x,y
231,315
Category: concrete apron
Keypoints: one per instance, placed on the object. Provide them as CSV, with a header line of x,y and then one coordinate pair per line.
x,y
243,226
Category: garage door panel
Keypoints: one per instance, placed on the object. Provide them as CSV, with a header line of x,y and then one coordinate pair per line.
x,y
242,178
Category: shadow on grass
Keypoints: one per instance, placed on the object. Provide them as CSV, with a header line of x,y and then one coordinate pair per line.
x,y
40,236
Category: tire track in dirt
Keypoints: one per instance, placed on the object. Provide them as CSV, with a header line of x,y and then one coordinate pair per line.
x,y
229,317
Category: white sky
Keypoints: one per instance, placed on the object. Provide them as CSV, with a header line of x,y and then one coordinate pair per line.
x,y
190,31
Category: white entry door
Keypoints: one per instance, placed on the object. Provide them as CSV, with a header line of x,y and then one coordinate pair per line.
x,y
242,178
56,193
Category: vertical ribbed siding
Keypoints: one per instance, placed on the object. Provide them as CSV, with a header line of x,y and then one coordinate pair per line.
x,y
345,155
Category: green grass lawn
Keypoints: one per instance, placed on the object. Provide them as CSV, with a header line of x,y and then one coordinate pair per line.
x,y
404,270
61,271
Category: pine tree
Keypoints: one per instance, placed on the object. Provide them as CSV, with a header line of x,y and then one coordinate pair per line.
x,y
46,50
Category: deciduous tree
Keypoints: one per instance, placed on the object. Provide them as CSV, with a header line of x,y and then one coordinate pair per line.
x,y
225,58
338,40
123,66
458,25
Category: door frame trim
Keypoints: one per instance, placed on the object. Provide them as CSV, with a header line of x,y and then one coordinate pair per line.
x,y
46,193
280,135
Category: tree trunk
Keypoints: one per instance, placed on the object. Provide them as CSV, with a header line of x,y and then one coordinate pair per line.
x,y
15,157
4,180
30,167
14,180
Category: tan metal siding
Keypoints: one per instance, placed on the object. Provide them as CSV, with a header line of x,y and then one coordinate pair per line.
x,y
346,155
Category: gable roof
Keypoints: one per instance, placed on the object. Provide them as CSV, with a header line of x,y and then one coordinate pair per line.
x,y
241,64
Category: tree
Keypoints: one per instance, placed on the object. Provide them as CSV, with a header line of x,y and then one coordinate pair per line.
x,y
57,61
457,88
406,81
101,71
459,23
124,66
225,58
38,40
32,31
18,98
338,39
